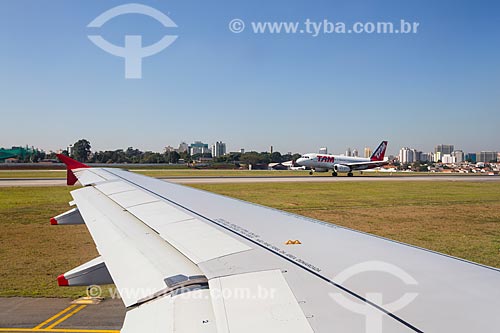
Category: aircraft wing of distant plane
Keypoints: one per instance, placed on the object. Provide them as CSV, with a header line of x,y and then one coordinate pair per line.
x,y
365,165
186,260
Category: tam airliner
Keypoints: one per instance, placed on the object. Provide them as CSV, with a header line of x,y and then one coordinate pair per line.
x,y
346,164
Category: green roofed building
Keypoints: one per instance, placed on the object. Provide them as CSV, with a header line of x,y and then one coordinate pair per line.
x,y
20,153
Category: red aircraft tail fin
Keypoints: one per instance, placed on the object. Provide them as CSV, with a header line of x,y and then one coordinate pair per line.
x,y
71,164
379,153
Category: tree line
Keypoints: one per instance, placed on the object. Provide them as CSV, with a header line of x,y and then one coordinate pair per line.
x,y
82,152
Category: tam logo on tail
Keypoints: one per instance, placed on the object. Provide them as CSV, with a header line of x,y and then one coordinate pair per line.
x,y
379,153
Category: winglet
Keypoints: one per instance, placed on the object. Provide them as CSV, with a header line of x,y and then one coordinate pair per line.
x,y
71,164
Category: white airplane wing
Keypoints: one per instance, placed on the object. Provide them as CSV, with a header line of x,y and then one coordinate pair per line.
x,y
186,260
365,165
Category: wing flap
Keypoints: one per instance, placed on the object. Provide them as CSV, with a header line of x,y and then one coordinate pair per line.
x,y
256,302
190,312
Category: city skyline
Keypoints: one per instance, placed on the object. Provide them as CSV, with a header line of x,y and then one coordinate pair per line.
x,y
349,151
294,92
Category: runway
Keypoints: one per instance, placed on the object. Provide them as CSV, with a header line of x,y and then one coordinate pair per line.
x,y
8,182
25,314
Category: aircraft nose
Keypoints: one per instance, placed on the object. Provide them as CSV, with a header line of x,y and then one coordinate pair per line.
x,y
299,161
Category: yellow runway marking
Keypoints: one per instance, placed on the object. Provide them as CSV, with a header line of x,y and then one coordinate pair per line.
x,y
55,316
79,308
56,330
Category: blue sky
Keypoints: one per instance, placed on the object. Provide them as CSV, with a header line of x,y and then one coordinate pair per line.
x,y
293,91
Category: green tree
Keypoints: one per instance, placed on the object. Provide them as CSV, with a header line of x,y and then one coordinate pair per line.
x,y
81,150
255,158
276,157
172,157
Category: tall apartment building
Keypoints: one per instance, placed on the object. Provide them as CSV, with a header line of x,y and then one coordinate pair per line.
x,y
444,149
198,147
406,155
487,156
426,157
459,156
472,157
218,149
368,152
183,147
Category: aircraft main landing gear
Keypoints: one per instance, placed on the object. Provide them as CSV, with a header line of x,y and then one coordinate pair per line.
x,y
334,174
350,174
311,172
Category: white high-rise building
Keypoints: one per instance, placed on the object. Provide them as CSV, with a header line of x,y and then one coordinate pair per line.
x,y
406,155
459,156
368,152
355,153
218,149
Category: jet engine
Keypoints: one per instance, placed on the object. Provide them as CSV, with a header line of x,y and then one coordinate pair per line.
x,y
341,168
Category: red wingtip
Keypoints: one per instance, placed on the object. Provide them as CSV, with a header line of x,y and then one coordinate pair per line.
x,y
53,221
71,163
61,281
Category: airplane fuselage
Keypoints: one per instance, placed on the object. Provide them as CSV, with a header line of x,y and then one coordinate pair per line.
x,y
326,162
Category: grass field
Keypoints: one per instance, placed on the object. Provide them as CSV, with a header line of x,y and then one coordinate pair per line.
x,y
457,218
